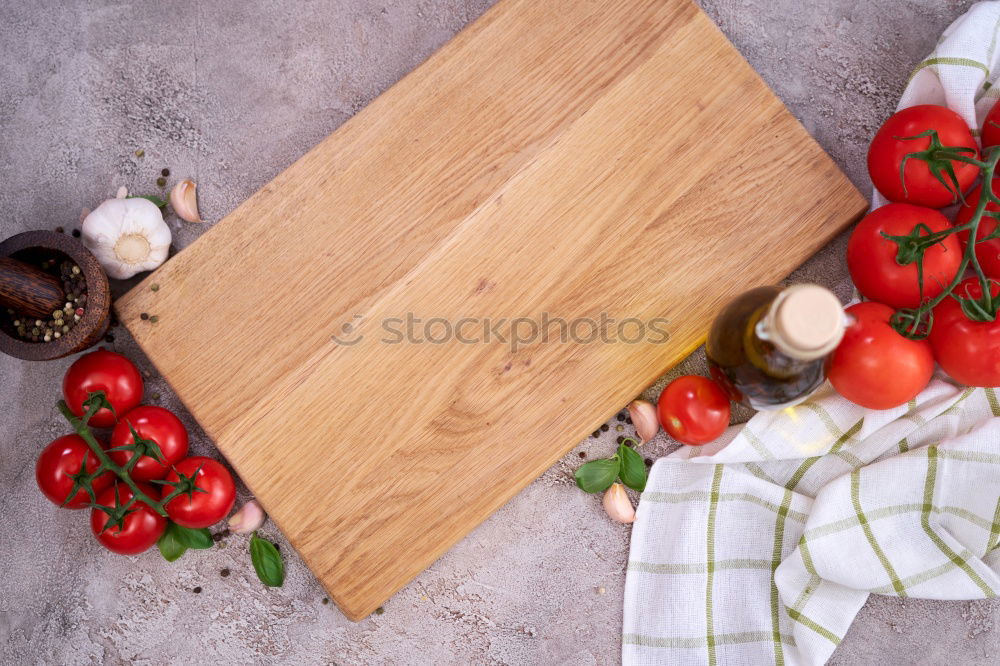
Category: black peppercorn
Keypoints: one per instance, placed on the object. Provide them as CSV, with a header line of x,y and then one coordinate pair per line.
x,y
582,454
165,172
144,316
76,233
224,573
605,427
197,590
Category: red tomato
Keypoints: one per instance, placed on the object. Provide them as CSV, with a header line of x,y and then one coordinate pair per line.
x,y
159,425
889,148
201,509
103,370
991,128
876,367
141,529
967,350
693,410
871,259
62,457
987,252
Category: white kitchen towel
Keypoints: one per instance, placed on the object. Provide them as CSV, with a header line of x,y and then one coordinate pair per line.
x,y
761,548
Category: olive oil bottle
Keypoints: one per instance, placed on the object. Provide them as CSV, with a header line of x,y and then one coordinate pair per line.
x,y
769,345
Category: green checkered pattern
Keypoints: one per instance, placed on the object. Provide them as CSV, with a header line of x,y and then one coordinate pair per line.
x,y
762,547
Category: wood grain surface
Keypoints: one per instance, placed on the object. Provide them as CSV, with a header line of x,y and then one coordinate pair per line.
x,y
560,159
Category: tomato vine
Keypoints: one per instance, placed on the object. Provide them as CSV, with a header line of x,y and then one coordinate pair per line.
x,y
916,323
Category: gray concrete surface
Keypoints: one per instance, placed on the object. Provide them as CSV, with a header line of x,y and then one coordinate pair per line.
x,y
230,93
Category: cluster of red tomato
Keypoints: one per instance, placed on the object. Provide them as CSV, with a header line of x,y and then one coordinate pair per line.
x,y
876,366
63,461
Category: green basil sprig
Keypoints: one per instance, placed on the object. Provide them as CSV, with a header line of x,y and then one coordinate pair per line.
x,y
627,465
266,561
176,540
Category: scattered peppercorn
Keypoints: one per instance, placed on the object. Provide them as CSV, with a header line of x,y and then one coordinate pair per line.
x,y
109,338
628,421
161,181
60,230
648,461
153,319
379,610
144,316
155,396
582,454
76,233
140,152
595,434
620,439
326,600
224,573
621,417
605,427
154,287
165,172
197,590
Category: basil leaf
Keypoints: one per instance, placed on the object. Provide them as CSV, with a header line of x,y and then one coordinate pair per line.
x,y
170,546
266,561
597,475
192,538
160,203
633,472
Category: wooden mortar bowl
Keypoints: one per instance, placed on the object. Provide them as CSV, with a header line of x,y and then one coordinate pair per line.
x,y
33,247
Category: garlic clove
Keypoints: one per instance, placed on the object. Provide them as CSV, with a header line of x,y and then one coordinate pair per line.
x,y
121,193
617,504
247,519
184,200
643,415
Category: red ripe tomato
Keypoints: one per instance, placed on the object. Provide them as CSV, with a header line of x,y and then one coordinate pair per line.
x,y
159,425
988,252
876,367
201,509
871,259
991,128
142,526
62,457
103,370
693,410
889,148
967,350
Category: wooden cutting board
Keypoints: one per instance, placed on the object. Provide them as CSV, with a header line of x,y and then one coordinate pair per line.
x,y
574,158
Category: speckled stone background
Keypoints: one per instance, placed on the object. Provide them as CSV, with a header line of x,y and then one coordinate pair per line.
x,y
230,93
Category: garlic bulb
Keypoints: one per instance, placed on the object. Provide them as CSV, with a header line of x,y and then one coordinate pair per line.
x,y
127,236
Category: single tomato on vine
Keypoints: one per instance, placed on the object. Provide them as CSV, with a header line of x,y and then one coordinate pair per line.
x,y
987,252
103,370
693,410
141,527
920,183
210,503
56,465
875,366
874,260
969,351
991,128
150,423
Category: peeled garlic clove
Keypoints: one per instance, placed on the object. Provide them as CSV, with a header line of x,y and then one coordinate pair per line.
x,y
247,519
121,193
127,236
643,415
184,200
617,504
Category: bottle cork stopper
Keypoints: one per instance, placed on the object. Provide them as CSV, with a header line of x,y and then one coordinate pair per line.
x,y
808,321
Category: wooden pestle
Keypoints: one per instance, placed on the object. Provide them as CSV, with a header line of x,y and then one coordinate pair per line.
x,y
29,290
